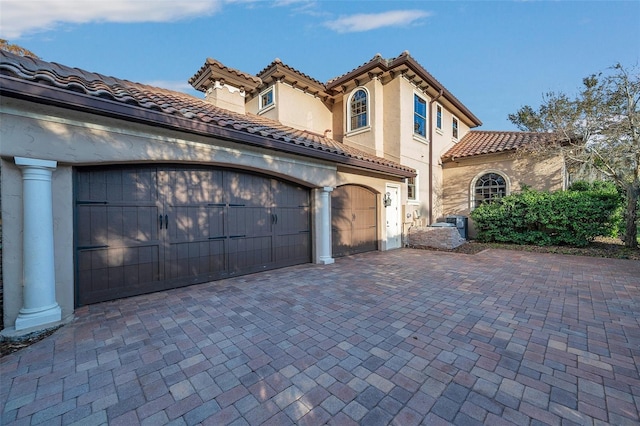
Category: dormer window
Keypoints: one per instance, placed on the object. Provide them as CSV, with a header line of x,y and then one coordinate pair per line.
x,y
358,108
266,98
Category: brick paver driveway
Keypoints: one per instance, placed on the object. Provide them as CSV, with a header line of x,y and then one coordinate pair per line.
x,y
403,337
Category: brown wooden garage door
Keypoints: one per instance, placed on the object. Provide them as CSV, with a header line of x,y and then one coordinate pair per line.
x,y
353,220
147,229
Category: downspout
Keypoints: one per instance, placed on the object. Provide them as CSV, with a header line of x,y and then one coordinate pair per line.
x,y
431,155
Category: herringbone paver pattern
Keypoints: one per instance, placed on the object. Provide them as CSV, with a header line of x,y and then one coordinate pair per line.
x,y
406,337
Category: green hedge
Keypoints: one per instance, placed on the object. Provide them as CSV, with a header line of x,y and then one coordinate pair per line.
x,y
573,217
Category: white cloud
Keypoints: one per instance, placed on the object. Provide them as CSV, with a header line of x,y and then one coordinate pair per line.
x,y
372,21
21,17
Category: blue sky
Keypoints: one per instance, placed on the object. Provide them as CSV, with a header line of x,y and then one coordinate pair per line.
x,y
495,56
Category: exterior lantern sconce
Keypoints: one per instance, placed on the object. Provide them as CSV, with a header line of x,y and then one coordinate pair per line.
x,y
387,199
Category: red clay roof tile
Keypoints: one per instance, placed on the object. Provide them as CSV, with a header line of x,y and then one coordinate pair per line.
x,y
178,104
478,142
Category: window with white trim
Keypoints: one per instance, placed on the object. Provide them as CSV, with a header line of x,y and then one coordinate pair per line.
x,y
358,110
489,187
419,116
412,193
454,128
438,117
266,98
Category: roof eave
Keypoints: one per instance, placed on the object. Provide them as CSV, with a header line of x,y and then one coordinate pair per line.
x,y
43,94
455,159
406,60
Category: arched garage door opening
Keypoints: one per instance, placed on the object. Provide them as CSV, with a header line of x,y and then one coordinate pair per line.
x,y
354,215
146,229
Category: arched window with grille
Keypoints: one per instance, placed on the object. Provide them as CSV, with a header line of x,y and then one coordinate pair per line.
x,y
487,187
358,110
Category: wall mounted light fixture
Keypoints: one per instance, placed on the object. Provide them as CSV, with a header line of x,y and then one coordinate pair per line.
x,y
387,199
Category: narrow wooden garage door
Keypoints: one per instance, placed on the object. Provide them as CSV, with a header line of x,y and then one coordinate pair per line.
x,y
353,220
141,230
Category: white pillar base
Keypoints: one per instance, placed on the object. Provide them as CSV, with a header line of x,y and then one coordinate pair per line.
x,y
39,317
326,260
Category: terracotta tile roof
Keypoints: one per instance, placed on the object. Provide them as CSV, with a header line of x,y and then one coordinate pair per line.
x,y
478,142
52,83
240,78
278,63
405,60
377,59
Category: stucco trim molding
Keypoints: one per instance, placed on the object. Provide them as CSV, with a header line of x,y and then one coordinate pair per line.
x,y
472,186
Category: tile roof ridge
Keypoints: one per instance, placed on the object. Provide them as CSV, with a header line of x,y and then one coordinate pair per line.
x,y
212,61
278,61
28,63
33,68
209,62
507,131
377,57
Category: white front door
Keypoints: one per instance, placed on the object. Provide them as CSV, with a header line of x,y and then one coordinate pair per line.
x,y
392,213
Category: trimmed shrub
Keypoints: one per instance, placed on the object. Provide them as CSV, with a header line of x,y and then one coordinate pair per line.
x,y
572,217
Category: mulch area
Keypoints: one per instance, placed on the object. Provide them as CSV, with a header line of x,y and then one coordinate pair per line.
x,y
612,248
602,247
8,346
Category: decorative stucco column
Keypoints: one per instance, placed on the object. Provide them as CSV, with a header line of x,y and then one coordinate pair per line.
x,y
39,306
324,228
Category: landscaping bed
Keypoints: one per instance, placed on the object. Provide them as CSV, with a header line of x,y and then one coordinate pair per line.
x,y
601,247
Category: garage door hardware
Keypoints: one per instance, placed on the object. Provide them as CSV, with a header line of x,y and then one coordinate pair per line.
x,y
166,221
93,247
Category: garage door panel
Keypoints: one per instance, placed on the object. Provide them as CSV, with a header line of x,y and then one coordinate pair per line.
x,y
250,254
292,249
340,198
292,220
214,223
245,221
286,195
353,220
193,223
247,190
191,186
196,260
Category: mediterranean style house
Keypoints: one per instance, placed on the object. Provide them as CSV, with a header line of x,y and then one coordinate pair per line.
x,y
112,189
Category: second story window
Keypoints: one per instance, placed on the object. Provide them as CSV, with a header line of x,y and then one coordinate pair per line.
x,y
358,110
419,116
266,98
454,128
438,117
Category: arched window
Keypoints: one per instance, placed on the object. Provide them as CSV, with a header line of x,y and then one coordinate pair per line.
x,y
487,187
358,106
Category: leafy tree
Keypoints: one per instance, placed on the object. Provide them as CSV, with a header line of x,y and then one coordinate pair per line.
x,y
597,132
18,50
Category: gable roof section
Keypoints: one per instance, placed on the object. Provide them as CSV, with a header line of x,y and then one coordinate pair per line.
x,y
402,64
54,84
478,142
215,70
279,70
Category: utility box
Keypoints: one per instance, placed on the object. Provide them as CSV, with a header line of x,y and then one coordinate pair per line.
x,y
460,222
